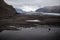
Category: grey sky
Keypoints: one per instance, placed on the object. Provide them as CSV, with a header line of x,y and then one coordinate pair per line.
x,y
33,3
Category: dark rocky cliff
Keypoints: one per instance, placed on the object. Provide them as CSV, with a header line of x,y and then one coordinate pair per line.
x,y
6,10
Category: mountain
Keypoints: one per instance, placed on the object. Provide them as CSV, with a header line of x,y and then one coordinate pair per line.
x,y
41,10
49,9
19,10
6,10
6,13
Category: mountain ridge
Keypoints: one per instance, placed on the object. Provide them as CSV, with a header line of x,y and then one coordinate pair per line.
x,y
49,9
6,10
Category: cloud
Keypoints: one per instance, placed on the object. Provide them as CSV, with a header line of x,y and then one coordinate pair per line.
x,y
36,3
33,2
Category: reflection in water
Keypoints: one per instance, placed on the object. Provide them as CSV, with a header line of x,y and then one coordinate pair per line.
x,y
32,33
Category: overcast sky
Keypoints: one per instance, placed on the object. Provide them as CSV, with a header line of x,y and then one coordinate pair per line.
x,y
32,4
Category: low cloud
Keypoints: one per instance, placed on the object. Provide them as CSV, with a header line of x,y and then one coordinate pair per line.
x,y
36,3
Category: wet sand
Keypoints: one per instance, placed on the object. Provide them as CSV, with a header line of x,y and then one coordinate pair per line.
x,y
32,33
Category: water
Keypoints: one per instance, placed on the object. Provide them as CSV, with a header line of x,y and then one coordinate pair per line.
x,y
32,33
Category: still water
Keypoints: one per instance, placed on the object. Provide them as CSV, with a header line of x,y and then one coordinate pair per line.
x,y
32,33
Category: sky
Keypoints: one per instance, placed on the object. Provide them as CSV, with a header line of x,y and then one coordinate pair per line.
x,y
31,5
